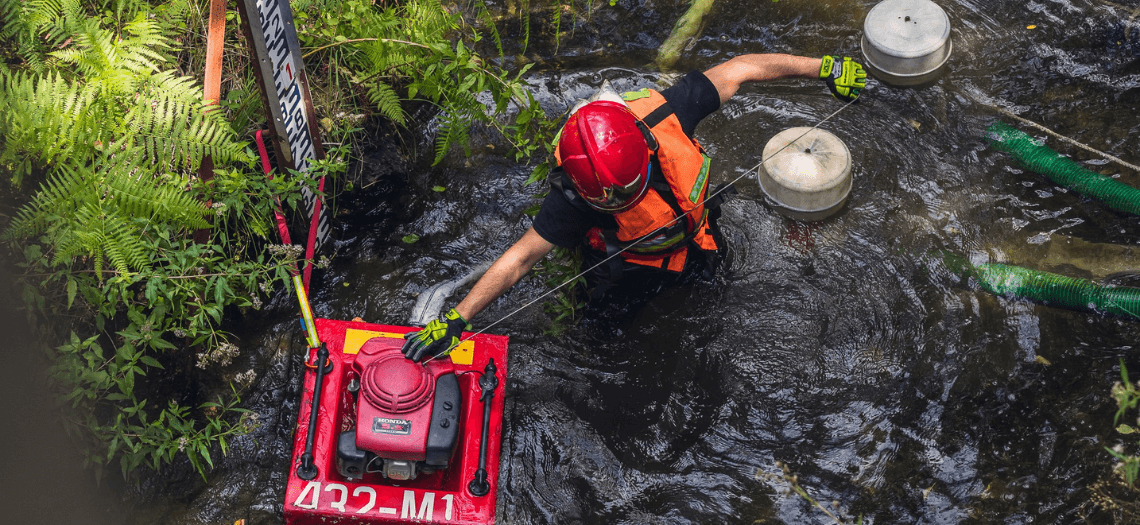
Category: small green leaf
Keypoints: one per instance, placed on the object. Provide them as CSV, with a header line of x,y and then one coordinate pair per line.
x,y
1125,429
150,361
160,344
539,173
220,291
206,455
72,287
438,189
32,253
411,238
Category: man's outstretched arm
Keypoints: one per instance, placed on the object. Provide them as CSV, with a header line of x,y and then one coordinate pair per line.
x,y
507,270
730,74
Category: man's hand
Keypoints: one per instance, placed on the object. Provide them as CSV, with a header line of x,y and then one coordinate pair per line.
x,y
437,338
845,78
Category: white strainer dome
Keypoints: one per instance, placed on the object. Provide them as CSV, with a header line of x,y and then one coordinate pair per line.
x,y
807,173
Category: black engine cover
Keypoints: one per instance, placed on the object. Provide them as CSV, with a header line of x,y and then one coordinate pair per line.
x,y
444,433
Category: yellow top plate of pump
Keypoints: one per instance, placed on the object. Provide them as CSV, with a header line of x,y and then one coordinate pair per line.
x,y
463,354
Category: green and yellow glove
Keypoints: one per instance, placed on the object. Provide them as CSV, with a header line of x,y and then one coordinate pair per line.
x,y
845,78
437,338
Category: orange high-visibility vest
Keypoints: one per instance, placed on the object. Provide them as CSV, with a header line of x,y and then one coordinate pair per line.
x,y
686,170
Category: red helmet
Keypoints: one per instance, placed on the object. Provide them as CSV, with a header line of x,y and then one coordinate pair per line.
x,y
606,155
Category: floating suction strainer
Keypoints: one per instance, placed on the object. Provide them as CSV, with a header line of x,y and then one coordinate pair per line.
x,y
810,178
906,42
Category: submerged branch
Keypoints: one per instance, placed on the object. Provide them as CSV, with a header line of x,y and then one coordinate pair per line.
x,y
684,31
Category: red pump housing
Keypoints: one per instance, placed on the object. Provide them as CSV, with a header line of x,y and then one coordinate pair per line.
x,y
396,400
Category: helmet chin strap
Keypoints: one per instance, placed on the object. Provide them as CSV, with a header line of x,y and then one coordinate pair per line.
x,y
650,234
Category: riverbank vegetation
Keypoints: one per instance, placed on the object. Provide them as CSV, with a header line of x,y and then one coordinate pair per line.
x,y
132,264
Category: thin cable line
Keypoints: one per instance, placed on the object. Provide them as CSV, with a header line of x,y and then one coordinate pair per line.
x,y
1012,115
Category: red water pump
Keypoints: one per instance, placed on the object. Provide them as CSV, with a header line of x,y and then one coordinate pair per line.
x,y
407,415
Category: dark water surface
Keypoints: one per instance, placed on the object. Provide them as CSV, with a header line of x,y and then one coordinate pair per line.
x,y
842,349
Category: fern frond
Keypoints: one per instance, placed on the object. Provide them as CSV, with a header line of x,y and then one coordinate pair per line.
x,y
95,56
105,236
387,101
174,86
84,218
526,23
70,242
33,61
57,20
101,214
428,20
455,128
151,199
47,117
117,63
12,19
124,247
484,15
177,132
60,196
143,50
378,57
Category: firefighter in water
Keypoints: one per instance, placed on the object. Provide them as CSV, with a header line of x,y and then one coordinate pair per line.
x,y
628,168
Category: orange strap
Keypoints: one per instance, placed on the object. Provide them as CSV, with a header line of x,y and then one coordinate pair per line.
x,y
213,82
214,40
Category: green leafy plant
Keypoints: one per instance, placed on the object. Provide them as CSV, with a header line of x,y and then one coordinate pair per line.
x,y
171,310
1127,396
563,268
420,51
109,256
138,434
1119,495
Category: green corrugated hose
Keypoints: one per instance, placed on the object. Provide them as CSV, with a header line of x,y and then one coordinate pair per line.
x,y
1055,290
1039,158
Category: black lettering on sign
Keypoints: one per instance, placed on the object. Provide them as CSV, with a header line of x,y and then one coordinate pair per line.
x,y
286,117
275,42
288,94
324,227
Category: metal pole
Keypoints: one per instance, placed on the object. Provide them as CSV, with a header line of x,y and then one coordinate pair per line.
x,y
488,382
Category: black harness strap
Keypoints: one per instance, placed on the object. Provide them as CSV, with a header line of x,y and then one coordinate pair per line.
x,y
658,115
